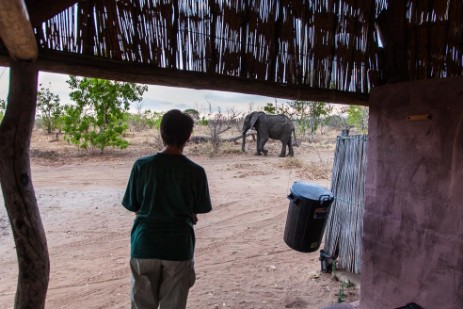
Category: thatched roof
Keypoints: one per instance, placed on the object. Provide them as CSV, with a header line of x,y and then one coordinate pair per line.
x,y
312,49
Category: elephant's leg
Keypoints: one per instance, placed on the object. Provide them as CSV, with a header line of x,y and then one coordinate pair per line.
x,y
263,140
290,147
258,145
283,148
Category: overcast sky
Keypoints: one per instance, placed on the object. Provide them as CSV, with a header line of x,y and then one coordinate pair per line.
x,y
159,98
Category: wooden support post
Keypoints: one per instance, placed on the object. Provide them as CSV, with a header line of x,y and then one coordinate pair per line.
x,y
18,191
16,31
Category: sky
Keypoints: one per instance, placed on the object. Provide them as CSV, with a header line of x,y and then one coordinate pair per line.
x,y
159,98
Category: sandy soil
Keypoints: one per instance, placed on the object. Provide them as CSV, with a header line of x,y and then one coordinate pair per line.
x,y
241,258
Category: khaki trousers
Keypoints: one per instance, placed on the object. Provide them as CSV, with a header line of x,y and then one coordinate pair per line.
x,y
161,283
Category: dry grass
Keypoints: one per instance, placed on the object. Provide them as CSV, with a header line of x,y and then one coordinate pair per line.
x,y
312,170
240,166
211,150
231,149
202,150
316,171
49,150
252,173
290,163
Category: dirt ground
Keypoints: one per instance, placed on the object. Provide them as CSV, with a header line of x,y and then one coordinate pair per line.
x,y
241,258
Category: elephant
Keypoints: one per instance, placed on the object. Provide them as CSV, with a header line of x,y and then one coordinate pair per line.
x,y
269,126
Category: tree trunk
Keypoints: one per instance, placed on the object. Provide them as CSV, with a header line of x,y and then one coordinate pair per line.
x,y
18,191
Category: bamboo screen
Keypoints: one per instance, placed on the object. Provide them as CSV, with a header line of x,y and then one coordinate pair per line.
x,y
327,44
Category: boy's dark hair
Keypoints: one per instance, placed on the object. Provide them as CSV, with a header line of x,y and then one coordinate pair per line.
x,y
176,128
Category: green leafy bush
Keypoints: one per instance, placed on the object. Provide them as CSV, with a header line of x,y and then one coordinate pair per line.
x,y
50,111
193,113
358,117
145,120
308,115
2,109
99,117
270,108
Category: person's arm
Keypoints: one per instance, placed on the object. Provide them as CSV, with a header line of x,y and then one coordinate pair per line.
x,y
203,200
130,200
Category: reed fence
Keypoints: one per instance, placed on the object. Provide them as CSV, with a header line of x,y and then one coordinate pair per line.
x,y
343,231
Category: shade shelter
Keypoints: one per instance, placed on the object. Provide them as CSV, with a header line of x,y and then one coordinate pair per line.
x,y
401,58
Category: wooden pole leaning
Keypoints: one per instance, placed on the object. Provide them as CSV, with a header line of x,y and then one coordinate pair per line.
x,y
18,191
15,171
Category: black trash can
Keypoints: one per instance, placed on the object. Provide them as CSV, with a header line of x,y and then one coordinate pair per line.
x,y
308,210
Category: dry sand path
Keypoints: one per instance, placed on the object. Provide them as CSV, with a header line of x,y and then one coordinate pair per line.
x,y
241,258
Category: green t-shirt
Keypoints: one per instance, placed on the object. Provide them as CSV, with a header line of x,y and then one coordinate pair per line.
x,y
165,191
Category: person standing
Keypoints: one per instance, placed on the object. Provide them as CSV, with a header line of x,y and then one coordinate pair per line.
x,y
166,191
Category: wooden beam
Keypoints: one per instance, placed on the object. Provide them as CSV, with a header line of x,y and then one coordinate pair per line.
x,y
16,30
73,64
18,191
43,10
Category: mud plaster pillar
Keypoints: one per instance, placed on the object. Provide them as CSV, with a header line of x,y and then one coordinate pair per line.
x,y
413,224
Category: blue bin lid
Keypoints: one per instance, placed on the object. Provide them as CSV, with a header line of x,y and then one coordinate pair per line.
x,y
310,191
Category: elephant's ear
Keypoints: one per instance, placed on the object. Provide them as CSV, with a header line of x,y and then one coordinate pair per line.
x,y
254,118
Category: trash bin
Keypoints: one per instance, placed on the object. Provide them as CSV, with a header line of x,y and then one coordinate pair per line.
x,y
308,210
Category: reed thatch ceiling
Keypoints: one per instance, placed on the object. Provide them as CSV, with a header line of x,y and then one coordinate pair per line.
x,y
307,49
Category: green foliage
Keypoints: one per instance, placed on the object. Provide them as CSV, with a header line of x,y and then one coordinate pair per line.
x,y
203,121
50,109
341,294
2,109
193,113
270,108
337,122
99,118
156,119
318,111
309,115
358,117
145,120
345,290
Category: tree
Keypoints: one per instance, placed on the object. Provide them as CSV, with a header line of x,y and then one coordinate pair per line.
x,y
309,115
220,123
49,108
270,108
99,117
358,117
145,119
318,112
193,113
2,109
